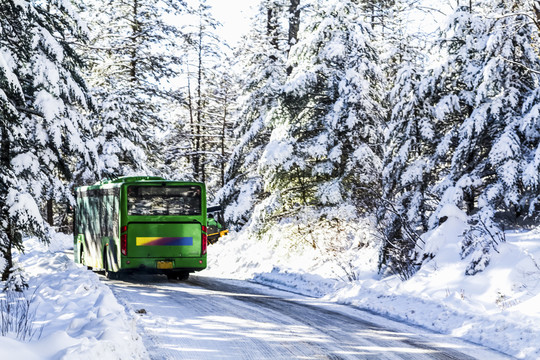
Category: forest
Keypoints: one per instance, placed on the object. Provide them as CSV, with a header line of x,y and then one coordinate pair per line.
x,y
328,115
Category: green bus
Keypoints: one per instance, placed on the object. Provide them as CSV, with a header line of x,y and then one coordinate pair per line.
x,y
141,224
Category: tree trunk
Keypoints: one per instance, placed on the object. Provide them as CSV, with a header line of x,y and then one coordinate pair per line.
x,y
294,21
223,130
536,7
271,30
135,30
50,212
373,17
294,27
5,248
191,157
198,154
7,254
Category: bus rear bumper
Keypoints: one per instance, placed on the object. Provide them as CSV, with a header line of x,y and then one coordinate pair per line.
x,y
164,265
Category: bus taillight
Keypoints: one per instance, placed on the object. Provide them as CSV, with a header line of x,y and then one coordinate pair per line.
x,y
123,244
204,240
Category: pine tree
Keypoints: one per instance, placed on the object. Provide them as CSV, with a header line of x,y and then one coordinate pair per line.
x,y
418,172
262,61
410,142
135,55
326,145
43,130
491,76
501,120
204,64
441,100
222,92
477,155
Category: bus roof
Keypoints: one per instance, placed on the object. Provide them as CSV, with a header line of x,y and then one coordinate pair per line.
x,y
108,183
125,179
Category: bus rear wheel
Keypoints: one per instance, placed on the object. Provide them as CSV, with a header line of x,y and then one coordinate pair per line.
x,y
82,260
111,275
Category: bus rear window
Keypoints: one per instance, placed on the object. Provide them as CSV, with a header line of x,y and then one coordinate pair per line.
x,y
164,200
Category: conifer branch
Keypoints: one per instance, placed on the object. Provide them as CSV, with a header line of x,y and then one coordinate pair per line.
x,y
520,65
29,111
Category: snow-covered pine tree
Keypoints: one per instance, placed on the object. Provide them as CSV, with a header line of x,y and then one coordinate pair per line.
x,y
492,69
490,163
410,141
376,12
418,166
262,60
529,130
502,121
324,155
204,63
42,97
448,91
478,94
135,53
12,50
222,92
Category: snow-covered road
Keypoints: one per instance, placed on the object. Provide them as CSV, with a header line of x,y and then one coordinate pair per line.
x,y
206,318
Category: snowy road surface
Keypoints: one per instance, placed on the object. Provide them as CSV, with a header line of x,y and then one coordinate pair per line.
x,y
207,318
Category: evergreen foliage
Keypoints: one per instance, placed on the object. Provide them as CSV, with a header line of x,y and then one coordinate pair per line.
x,y
325,149
209,96
467,147
336,121
135,51
263,62
404,211
43,100
482,159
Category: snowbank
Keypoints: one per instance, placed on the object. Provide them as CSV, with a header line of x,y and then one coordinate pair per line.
x,y
498,307
76,316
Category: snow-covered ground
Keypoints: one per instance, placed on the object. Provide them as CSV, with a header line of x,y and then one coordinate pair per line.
x,y
498,308
78,317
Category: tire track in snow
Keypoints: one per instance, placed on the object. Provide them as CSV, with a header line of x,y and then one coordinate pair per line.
x,y
207,318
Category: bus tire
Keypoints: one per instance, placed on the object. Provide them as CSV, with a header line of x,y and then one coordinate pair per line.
x,y
111,275
82,260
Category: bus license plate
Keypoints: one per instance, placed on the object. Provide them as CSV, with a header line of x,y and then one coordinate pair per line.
x,y
164,264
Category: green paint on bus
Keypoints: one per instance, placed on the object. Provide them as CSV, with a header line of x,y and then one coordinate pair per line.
x,y
141,224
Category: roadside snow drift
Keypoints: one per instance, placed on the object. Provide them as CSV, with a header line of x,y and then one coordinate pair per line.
x,y
76,316
498,307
